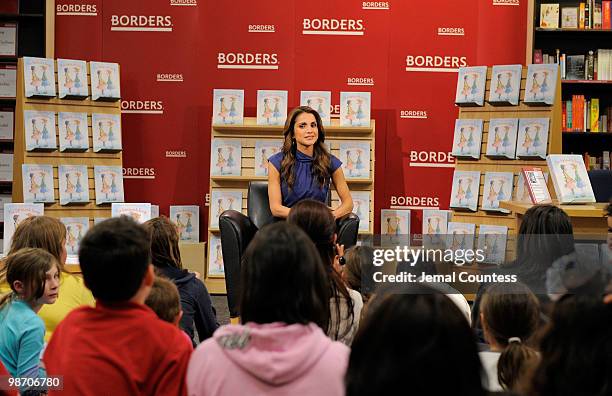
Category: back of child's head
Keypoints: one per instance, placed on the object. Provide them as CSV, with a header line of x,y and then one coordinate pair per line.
x,y
164,300
28,266
511,314
414,339
114,256
359,269
283,278
164,242
42,232
317,220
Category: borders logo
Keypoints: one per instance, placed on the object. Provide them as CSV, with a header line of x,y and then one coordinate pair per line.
x,y
406,202
435,63
451,31
418,114
333,27
139,173
431,159
262,28
76,9
141,23
193,3
234,60
142,107
506,2
360,81
176,154
170,77
375,5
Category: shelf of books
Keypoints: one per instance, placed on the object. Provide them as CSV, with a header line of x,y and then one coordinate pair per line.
x,y
67,160
241,146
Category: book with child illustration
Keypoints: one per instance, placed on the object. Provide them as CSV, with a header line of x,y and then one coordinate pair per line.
x,y
465,189
497,187
73,131
15,213
106,132
225,157
73,184
355,109
501,141
532,138
395,226
505,84
541,84
355,157
467,138
76,228
105,81
264,149
72,79
271,107
38,183
139,212
108,184
40,130
570,178
361,207
435,226
222,200
187,221
471,86
460,237
228,106
319,101
39,77
492,242
215,258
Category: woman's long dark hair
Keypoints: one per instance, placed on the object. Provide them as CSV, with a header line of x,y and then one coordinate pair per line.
x,y
321,160
164,237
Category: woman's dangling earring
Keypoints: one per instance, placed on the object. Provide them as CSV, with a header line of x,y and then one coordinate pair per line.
x,y
293,144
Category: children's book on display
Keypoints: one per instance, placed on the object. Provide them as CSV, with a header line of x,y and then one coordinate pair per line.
x,y
497,187
38,184
39,77
222,200
225,157
108,184
76,228
106,131
15,213
73,131
40,130
355,109
435,227
492,241
521,193
271,107
395,226
570,178
460,236
355,157
464,193
187,220
501,141
535,182
471,86
264,149
139,212
73,184
319,101
467,138
505,84
72,79
228,106
361,207
215,258
105,81
532,138
541,84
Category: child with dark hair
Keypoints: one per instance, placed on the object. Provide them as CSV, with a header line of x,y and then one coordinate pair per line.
x,y
358,270
280,347
120,346
510,315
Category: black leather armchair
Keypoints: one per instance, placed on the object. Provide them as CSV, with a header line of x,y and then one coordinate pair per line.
x,y
237,231
601,181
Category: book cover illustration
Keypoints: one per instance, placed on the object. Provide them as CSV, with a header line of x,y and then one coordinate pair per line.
x,y
570,178
105,81
73,184
532,138
361,207
497,187
215,258
460,236
40,131
264,149
226,157
435,227
139,212
72,78
467,138
319,101
187,220
355,157
73,131
395,222
471,85
492,241
549,16
108,184
501,141
222,200
505,84
228,106
39,76
38,184
355,109
521,192
15,213
76,228
106,131
541,83
271,107
465,189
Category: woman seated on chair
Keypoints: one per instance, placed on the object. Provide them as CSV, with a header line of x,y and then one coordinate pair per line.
x,y
304,167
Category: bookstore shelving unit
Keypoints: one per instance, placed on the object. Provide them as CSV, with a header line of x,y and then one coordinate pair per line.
x,y
248,133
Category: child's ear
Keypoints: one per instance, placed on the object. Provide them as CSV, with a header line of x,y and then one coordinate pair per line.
x,y
18,287
149,276
178,318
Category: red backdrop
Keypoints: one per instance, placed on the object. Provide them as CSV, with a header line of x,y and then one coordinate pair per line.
x,y
398,48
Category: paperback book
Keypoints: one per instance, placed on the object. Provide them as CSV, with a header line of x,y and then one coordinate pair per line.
x,y
106,130
215,258
501,141
228,106
139,212
395,226
73,184
465,189
76,228
549,15
73,131
492,241
355,157
569,17
187,220
39,77
271,107
435,227
361,207
108,184
264,149
40,132
541,83
105,81
460,237
497,187
570,178
222,200
505,84
15,213
38,184
536,185
467,138
471,86
521,192
532,139
72,79
225,157
320,101
355,109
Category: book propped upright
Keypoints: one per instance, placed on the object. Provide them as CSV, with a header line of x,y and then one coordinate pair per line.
x,y
570,178
140,212
106,132
105,81
72,79
320,101
40,130
492,241
467,138
271,107
38,183
39,77
505,85
541,84
76,228
355,109
536,185
465,190
187,220
73,184
502,138
228,106
361,207
471,86
15,213
73,131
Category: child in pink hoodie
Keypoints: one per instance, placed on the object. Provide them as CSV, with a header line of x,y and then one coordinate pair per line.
x,y
280,349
